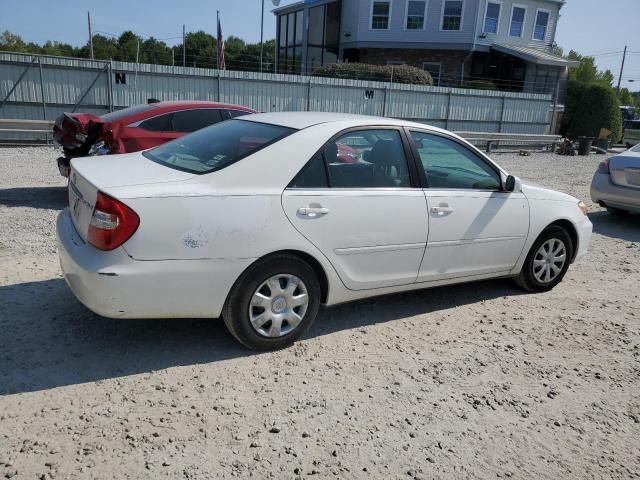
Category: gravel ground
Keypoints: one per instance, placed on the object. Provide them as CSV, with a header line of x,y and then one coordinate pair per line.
x,y
471,381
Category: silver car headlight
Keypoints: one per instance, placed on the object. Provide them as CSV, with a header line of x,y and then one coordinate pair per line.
x,y
583,207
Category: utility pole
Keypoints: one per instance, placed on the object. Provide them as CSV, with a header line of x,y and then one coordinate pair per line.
x,y
624,56
261,34
184,47
173,62
90,35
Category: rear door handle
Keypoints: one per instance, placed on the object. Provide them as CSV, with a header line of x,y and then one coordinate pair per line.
x,y
442,210
312,212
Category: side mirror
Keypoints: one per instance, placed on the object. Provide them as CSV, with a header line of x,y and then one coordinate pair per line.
x,y
510,184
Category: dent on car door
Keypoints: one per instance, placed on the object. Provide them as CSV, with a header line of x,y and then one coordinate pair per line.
x,y
475,227
361,208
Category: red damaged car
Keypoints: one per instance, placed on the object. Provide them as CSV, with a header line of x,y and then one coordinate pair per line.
x,y
135,128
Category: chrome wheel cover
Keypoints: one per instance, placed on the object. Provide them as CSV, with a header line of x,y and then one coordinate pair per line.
x,y
278,305
549,260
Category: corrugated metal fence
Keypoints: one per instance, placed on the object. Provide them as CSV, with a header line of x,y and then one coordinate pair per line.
x,y
42,87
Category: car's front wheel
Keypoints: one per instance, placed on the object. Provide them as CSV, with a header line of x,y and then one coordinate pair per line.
x,y
273,303
547,261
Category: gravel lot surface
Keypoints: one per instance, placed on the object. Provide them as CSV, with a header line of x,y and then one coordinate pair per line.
x,y
471,381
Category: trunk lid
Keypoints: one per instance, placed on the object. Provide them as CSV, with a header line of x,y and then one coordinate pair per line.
x,y
625,170
92,174
77,132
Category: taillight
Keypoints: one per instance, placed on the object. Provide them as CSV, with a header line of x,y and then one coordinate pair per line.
x,y
112,223
604,167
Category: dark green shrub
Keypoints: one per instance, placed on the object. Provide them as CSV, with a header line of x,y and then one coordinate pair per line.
x,y
381,73
592,107
481,85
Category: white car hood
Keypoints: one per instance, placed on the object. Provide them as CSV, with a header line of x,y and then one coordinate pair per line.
x,y
537,192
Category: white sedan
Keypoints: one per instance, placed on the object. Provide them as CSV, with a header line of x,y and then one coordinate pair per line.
x,y
263,218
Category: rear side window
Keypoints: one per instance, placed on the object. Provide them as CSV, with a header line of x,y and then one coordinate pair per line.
x,y
368,158
192,120
161,123
217,146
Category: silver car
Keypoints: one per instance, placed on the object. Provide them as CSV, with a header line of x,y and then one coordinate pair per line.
x,y
616,183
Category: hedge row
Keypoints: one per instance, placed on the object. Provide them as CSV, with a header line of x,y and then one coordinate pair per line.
x,y
380,73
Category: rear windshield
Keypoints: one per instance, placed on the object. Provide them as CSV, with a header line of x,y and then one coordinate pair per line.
x,y
125,112
217,146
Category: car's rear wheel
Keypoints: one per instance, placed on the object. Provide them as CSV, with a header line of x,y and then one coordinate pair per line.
x,y
273,303
617,212
547,261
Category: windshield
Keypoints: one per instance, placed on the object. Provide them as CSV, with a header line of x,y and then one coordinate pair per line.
x,y
636,148
125,112
217,146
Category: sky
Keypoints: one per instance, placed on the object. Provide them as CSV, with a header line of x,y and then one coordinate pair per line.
x,y
595,27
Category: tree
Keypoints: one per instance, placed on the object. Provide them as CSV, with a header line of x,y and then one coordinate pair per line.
x,y
597,107
587,71
625,97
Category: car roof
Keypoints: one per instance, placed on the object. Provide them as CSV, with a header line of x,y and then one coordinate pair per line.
x,y
300,120
195,104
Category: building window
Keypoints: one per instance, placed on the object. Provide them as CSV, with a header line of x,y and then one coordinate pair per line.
x,y
542,21
518,15
452,15
434,70
415,15
380,13
323,42
290,42
491,18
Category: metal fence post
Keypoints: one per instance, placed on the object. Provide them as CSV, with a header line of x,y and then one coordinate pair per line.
x,y
448,114
110,84
500,128
309,95
219,86
44,102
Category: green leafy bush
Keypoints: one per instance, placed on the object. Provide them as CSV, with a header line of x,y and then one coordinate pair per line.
x,y
590,108
481,85
380,73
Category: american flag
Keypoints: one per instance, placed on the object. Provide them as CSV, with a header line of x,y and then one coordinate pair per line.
x,y
220,52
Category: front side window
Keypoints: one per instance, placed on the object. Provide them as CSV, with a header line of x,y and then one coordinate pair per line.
x,y
542,21
448,164
380,15
192,120
217,146
372,158
415,15
452,15
491,18
517,21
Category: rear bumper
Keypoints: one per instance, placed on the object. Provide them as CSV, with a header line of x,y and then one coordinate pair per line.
x,y
114,285
611,195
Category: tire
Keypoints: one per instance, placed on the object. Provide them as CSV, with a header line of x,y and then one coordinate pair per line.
x,y
617,212
532,270
271,290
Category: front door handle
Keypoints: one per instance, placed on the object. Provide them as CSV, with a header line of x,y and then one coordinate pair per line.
x,y
442,210
312,212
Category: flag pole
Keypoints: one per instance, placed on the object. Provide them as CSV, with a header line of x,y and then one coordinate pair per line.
x,y
218,39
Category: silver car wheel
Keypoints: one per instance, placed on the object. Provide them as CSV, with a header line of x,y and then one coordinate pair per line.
x,y
549,260
278,305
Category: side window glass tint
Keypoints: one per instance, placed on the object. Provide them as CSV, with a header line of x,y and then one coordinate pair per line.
x,y
448,164
367,159
192,120
161,123
313,175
